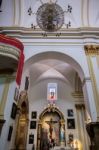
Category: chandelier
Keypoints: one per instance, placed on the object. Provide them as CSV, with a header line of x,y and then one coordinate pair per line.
x,y
50,16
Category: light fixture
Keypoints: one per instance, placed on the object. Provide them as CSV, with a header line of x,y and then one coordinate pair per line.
x,y
50,17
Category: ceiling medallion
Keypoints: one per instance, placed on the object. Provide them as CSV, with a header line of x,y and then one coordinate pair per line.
x,y
50,17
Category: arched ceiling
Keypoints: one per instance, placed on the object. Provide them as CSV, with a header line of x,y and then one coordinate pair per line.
x,y
52,69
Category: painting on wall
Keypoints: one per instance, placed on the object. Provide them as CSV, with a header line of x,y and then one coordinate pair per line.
x,y
31,138
33,114
33,125
16,94
26,83
70,123
70,113
10,133
14,111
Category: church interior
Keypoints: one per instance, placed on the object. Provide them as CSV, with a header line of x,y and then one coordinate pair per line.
x,y
49,75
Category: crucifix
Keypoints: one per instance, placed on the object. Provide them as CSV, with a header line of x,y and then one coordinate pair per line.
x,y
51,123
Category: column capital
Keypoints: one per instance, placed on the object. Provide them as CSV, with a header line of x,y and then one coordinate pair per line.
x,y
91,49
87,79
80,106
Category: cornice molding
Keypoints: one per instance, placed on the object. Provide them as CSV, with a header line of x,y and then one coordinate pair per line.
x,y
77,94
80,106
91,49
87,79
72,33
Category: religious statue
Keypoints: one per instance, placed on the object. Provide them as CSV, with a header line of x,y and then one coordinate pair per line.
x,y
51,123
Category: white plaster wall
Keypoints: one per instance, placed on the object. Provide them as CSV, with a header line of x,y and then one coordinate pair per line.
x,y
2,82
4,144
15,12
7,14
38,101
94,13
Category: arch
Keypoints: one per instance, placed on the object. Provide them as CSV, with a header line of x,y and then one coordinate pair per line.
x,y
58,56
55,110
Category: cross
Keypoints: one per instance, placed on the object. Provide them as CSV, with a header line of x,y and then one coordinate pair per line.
x,y
51,123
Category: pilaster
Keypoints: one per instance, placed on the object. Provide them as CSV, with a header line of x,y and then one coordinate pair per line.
x,y
92,51
4,99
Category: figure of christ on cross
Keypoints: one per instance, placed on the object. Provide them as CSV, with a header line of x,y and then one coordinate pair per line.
x,y
51,123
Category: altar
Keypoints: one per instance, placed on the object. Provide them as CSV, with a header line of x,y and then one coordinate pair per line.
x,y
63,148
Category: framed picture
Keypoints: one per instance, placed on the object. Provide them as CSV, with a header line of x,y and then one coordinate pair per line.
x,y
26,83
70,137
16,94
31,138
33,125
70,113
14,111
33,114
10,133
70,123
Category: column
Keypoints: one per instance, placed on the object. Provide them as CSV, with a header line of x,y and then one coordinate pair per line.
x,y
82,134
92,51
4,99
89,99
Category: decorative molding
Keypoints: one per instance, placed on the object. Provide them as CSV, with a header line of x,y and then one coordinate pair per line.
x,y
80,106
13,77
9,51
91,49
87,79
77,94
72,33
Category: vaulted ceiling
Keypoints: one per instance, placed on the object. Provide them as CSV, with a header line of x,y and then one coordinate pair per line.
x,y
52,69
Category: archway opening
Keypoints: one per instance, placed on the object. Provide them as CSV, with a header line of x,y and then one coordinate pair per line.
x,y
67,74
